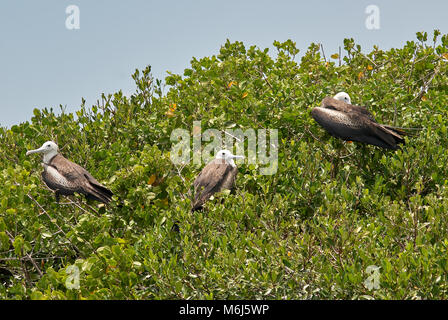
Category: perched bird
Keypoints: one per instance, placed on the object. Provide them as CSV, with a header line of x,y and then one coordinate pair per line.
x,y
218,175
66,177
354,123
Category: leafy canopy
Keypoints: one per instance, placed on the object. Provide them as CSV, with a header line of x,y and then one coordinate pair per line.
x,y
310,231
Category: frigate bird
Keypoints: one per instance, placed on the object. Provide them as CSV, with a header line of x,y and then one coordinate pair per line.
x,y
65,177
218,175
355,123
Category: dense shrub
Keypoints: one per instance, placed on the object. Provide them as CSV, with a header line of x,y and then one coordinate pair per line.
x,y
309,231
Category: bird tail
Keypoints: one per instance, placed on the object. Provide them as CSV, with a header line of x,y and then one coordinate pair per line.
x,y
197,208
403,131
99,193
197,205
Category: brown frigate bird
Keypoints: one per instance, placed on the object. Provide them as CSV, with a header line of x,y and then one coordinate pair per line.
x,y
65,177
218,175
355,123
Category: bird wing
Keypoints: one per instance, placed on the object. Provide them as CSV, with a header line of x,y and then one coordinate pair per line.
x,y
355,126
80,179
229,178
331,103
70,170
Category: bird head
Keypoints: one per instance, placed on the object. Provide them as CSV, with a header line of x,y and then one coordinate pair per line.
x,y
343,96
228,157
49,149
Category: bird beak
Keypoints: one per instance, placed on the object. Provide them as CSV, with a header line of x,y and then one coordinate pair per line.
x,y
237,157
34,151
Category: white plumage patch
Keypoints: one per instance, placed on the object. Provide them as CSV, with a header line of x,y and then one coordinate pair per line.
x,y
56,176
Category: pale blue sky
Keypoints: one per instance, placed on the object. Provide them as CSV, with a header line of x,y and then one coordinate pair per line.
x,y
43,64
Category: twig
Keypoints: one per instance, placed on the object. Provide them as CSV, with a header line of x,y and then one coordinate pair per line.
x,y
49,217
237,139
179,172
359,52
340,56
86,204
35,258
23,265
34,264
323,52
425,86
265,79
395,111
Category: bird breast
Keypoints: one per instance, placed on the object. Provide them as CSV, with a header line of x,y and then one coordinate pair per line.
x,y
55,177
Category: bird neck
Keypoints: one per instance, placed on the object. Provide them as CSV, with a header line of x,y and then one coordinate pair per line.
x,y
49,156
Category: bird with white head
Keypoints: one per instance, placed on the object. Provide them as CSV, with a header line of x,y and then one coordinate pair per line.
x,y
355,123
343,96
228,157
65,177
218,175
49,149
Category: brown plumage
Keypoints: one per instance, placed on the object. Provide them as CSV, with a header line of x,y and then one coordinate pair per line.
x,y
218,175
68,177
65,177
355,123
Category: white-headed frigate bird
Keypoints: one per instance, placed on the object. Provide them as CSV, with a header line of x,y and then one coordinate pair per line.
x,y
355,123
218,175
65,177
